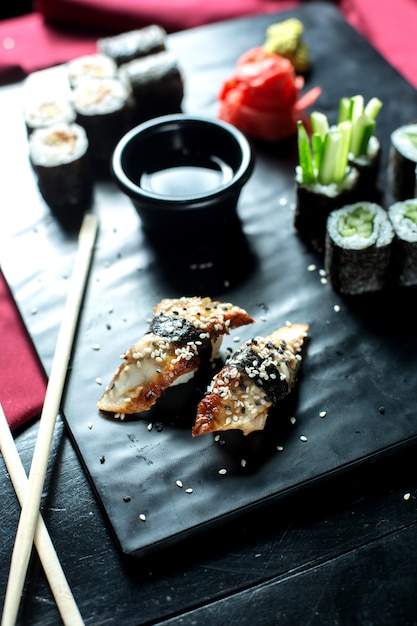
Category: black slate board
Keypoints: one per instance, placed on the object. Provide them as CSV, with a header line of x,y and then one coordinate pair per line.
x,y
358,360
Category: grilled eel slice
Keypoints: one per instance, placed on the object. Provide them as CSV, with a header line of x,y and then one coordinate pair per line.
x,y
254,378
182,333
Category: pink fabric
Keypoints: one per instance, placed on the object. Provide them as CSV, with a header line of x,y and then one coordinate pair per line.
x,y
391,27
27,45
173,15
22,379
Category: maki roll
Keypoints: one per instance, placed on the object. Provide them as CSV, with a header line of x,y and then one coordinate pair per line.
x,y
260,373
133,44
368,166
340,166
403,216
402,162
102,107
90,66
184,334
358,248
60,159
46,112
315,201
156,84
364,145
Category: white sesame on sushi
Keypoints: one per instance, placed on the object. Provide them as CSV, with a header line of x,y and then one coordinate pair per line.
x,y
254,379
358,248
403,216
184,333
59,156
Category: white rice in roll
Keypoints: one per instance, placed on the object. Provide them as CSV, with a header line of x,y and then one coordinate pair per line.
x,y
358,248
403,216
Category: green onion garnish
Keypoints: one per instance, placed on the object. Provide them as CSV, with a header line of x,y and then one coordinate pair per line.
x,y
326,160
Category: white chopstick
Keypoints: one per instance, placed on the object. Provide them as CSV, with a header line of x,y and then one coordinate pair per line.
x,y
59,586
30,507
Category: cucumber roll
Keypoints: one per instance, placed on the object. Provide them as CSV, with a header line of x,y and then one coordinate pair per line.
x,y
402,162
89,67
358,248
403,216
134,44
103,110
60,159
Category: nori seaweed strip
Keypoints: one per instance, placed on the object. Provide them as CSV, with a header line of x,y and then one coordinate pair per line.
x,y
368,167
246,359
404,245
179,331
156,83
66,187
402,161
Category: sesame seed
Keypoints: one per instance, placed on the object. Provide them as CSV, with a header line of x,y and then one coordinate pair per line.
x,y
336,308
222,472
407,496
280,448
243,462
96,346
189,490
178,483
90,425
293,420
142,517
303,438
150,426
322,413
322,272
312,267
126,498
99,381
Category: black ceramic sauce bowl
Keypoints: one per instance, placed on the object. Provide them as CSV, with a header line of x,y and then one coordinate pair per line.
x,y
183,173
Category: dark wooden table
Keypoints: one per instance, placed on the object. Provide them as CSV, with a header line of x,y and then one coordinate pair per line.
x,y
338,551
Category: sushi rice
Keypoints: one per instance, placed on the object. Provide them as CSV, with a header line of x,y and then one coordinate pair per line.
x,y
403,216
358,248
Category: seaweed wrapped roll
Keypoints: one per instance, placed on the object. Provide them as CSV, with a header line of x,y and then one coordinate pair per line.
x,y
60,159
103,110
134,44
156,84
358,248
402,162
403,216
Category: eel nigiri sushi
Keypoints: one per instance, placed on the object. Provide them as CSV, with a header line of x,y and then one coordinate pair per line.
x,y
184,332
254,379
